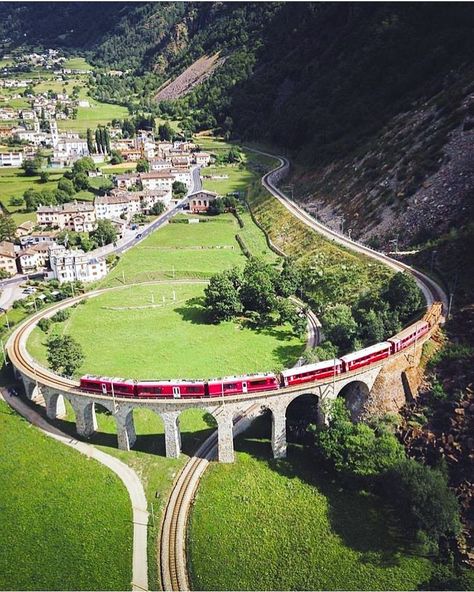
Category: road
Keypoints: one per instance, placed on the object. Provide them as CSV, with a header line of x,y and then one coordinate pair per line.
x,y
6,301
432,291
127,475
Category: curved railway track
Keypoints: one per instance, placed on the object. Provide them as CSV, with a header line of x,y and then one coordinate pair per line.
x,y
432,291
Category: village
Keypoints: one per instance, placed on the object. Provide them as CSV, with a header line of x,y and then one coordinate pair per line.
x,y
135,195
155,175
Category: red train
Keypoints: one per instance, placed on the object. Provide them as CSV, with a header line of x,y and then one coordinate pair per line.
x,y
236,385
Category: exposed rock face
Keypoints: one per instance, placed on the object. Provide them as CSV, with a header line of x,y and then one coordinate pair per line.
x,y
396,385
414,179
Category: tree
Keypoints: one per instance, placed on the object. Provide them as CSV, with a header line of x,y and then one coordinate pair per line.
x,y
64,355
44,176
355,448
165,132
32,166
98,141
222,297
143,166
81,182
106,138
115,157
16,201
289,280
91,146
339,326
216,206
66,185
157,208
7,228
257,292
83,165
234,155
423,493
404,295
179,188
128,129
105,233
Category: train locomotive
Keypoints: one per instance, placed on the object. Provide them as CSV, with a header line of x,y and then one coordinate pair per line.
x,y
247,384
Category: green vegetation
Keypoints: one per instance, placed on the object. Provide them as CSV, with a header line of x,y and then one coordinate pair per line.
x,y
294,526
182,251
91,117
66,520
114,332
13,183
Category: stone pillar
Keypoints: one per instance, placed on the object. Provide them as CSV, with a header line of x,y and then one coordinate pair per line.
x,y
279,433
85,419
55,406
126,435
172,433
225,438
30,387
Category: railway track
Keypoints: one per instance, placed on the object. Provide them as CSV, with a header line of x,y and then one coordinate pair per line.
x,y
432,291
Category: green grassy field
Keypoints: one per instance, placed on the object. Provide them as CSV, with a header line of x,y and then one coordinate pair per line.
x,y
77,63
13,183
167,340
66,520
97,114
182,250
289,525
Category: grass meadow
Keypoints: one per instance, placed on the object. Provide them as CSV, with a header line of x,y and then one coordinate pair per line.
x,y
13,183
140,332
182,251
289,525
66,520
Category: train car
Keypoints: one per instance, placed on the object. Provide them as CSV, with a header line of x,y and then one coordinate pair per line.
x,y
103,385
366,356
237,385
171,389
311,372
408,336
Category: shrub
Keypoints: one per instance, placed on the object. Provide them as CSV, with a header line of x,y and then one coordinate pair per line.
x,y
423,494
356,448
44,324
60,316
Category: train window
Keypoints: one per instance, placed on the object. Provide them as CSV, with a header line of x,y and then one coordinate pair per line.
x,y
259,382
194,389
230,386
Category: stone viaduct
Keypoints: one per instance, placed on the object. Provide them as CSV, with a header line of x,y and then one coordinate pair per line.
x,y
362,390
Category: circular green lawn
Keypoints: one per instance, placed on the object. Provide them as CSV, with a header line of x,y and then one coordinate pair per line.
x,y
162,331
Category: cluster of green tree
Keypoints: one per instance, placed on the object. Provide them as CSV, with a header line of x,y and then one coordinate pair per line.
x,y
372,318
64,354
260,292
220,205
179,189
99,142
370,455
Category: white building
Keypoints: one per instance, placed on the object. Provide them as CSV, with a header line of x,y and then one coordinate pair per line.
x,y
11,159
162,180
157,164
75,265
202,158
116,205
77,216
